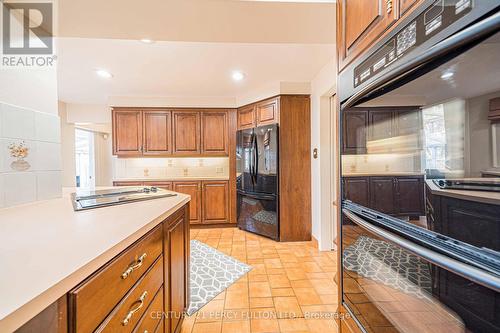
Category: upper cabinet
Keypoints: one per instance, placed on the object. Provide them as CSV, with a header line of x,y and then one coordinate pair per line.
x,y
127,132
246,117
360,23
186,132
162,132
214,133
494,114
259,114
157,132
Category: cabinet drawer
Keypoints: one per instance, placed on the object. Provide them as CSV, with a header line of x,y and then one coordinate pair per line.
x,y
94,299
152,316
126,315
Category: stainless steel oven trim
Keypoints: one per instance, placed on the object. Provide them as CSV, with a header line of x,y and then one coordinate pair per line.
x,y
469,272
462,38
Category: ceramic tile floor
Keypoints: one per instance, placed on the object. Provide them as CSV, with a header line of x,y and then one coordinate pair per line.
x,y
291,287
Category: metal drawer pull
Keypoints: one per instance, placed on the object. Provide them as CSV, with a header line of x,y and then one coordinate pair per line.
x,y
126,320
134,266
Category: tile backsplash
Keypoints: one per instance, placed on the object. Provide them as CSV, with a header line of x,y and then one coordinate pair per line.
x,y
175,167
381,163
35,173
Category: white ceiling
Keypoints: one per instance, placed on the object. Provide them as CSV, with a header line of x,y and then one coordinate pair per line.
x,y
179,68
198,44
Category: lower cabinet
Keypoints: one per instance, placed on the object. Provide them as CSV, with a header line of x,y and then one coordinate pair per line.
x,y
393,195
215,198
209,200
194,190
144,288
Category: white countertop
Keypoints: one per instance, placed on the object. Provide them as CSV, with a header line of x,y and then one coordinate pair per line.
x,y
168,179
477,196
46,248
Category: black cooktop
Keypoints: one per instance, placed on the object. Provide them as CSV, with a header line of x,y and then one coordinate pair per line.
x,y
478,184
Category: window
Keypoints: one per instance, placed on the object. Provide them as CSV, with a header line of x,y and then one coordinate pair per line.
x,y
85,165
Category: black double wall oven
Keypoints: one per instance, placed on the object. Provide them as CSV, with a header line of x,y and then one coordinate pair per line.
x,y
420,219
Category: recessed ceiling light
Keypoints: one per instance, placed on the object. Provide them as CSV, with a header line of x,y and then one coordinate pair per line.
x,y
104,73
447,75
238,76
147,41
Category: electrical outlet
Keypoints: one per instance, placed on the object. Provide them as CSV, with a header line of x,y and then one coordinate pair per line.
x,y
185,171
219,170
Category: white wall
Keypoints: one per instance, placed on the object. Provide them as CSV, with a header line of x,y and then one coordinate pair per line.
x,y
322,88
67,148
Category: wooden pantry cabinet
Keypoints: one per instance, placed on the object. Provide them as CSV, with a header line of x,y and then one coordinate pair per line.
x,y
259,114
361,23
170,132
132,291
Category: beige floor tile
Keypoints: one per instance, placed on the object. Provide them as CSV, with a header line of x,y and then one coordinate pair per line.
x,y
241,326
293,325
287,307
282,292
214,327
261,302
259,289
279,281
307,296
237,299
264,326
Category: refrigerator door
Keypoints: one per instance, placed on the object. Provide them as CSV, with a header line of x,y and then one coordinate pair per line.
x,y
258,213
266,154
245,156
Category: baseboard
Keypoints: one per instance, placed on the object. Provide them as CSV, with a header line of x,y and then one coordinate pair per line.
x,y
215,225
314,242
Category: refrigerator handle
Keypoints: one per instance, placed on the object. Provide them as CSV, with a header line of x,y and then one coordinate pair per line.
x,y
256,160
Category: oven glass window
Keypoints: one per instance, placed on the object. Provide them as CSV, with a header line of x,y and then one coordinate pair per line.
x,y
426,153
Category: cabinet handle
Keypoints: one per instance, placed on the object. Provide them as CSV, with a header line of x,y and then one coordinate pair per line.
x,y
129,315
389,6
134,266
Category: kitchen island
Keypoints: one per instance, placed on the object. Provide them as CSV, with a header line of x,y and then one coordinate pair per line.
x,y
51,254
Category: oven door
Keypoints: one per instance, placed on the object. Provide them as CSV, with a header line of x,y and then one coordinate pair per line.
x,y
417,257
393,284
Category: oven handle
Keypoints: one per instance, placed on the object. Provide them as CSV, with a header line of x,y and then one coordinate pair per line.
x,y
469,272
464,37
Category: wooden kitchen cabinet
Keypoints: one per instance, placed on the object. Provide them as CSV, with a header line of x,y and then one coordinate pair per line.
x,y
393,195
382,196
176,249
355,127
214,133
246,117
163,185
193,188
494,113
360,23
162,132
357,189
127,132
410,195
405,5
186,132
262,113
381,125
267,112
215,198
157,132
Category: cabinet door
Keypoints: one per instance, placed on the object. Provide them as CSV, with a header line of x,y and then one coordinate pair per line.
x,y
354,127
214,133
215,198
404,5
176,269
163,185
186,132
361,23
382,194
381,125
267,112
194,190
357,189
246,117
127,132
408,122
157,132
410,195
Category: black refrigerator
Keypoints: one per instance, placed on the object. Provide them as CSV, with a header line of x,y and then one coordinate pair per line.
x,y
257,157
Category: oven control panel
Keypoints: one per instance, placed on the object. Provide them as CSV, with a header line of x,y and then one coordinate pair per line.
x,y
441,14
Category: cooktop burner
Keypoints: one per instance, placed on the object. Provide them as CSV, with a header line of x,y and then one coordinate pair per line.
x,y
491,185
94,199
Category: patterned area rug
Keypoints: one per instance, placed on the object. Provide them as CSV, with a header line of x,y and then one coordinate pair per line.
x,y
211,273
390,265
